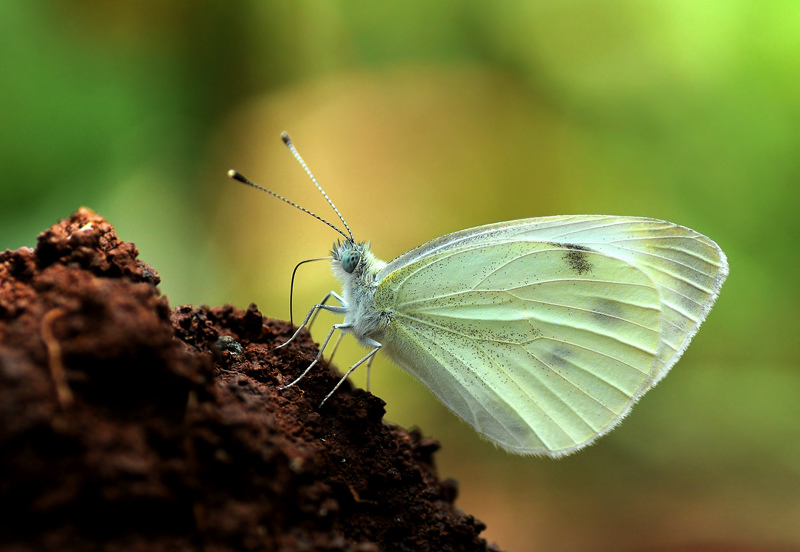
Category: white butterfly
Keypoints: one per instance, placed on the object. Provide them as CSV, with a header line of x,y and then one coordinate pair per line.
x,y
540,333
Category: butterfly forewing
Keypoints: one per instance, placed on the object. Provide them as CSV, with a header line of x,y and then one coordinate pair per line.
x,y
687,269
542,333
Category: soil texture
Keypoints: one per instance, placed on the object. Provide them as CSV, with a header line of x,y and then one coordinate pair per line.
x,y
128,425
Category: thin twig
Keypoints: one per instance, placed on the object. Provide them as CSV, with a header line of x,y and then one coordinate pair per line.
x,y
55,362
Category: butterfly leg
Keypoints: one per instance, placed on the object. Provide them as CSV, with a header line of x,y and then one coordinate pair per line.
x,y
314,309
343,327
369,370
311,323
336,346
368,357
323,302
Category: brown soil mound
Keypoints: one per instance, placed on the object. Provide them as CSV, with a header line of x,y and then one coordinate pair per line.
x,y
125,425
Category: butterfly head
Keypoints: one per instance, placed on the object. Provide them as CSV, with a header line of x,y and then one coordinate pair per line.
x,y
354,259
347,255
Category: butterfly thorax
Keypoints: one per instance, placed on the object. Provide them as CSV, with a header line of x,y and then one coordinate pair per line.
x,y
359,287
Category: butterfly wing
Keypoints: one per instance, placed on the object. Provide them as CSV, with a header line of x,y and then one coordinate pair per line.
x,y
542,333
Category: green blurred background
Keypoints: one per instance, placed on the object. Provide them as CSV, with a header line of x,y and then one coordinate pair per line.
x,y
420,118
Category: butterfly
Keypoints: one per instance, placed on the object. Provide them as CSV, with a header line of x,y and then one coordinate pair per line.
x,y
540,333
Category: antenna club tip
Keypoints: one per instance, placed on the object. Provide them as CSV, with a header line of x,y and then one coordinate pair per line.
x,y
285,137
237,176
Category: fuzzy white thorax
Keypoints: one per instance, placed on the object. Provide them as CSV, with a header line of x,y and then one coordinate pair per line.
x,y
358,290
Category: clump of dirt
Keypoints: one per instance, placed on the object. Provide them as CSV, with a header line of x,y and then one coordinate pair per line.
x,y
125,425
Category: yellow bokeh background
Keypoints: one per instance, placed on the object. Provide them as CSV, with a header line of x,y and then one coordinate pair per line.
x,y
422,118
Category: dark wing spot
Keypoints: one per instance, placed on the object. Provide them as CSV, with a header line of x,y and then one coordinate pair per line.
x,y
577,259
558,359
574,246
607,311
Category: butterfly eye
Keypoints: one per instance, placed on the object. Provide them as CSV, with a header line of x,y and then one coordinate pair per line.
x,y
350,260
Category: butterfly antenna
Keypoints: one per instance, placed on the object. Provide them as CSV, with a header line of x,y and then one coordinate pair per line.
x,y
240,178
288,141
